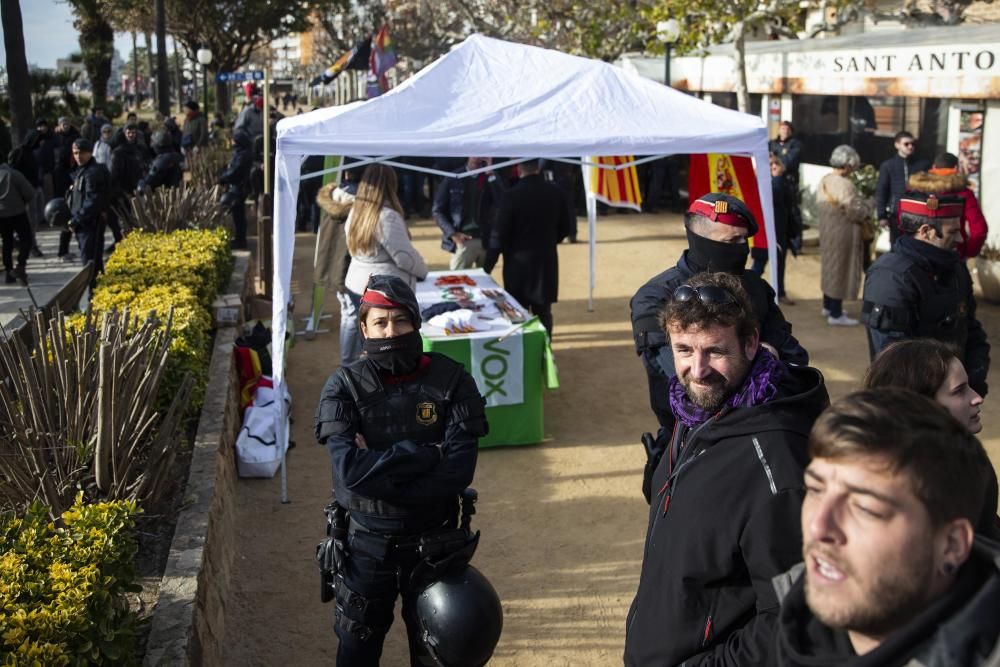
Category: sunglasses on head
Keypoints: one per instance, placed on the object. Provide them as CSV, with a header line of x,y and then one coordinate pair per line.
x,y
710,295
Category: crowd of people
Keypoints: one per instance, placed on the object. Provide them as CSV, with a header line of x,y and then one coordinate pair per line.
x,y
79,176
782,530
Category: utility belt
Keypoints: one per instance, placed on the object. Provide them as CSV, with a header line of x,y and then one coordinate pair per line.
x,y
427,545
380,508
435,552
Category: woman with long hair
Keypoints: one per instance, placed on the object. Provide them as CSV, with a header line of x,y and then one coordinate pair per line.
x,y
378,240
935,370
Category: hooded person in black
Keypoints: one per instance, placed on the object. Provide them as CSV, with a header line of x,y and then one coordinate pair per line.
x,y
727,493
894,575
717,227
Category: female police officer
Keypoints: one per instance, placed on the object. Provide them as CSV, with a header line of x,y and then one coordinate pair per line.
x,y
402,429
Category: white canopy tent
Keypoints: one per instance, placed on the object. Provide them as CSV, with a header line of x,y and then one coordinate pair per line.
x,y
493,98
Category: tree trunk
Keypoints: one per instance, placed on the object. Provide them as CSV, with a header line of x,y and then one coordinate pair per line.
x,y
135,71
97,46
222,101
740,63
152,65
162,70
18,81
178,80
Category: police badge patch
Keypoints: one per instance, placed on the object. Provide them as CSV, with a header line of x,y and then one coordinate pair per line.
x,y
426,413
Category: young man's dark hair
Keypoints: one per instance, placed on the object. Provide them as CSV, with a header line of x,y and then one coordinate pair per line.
x,y
946,464
945,161
893,571
711,299
902,134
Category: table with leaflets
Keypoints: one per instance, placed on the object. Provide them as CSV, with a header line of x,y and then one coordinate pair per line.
x,y
475,322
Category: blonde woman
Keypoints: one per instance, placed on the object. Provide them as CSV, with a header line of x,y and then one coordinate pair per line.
x,y
378,240
842,213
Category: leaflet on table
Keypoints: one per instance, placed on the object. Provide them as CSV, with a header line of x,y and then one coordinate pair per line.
x,y
466,303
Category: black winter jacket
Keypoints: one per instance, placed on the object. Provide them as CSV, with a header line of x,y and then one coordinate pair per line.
x,y
90,194
893,175
127,168
237,172
724,526
409,474
961,628
651,340
449,207
907,311
166,170
533,218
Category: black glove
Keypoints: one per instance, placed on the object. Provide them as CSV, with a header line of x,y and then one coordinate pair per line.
x,y
654,452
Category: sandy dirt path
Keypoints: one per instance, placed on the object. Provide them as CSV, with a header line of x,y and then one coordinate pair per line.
x,y
563,522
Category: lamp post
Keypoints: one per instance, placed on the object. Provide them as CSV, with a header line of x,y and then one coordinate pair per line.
x,y
205,58
667,32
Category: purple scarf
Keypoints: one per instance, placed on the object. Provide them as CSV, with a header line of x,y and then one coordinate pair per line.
x,y
760,386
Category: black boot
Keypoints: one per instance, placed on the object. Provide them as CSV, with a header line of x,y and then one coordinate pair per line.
x,y
21,275
11,278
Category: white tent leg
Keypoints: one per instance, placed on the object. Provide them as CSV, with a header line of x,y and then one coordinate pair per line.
x,y
592,243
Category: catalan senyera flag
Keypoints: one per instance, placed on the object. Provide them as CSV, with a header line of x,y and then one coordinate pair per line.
x,y
614,188
733,175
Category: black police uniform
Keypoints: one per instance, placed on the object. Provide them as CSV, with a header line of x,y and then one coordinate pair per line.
x,y
401,492
88,201
921,291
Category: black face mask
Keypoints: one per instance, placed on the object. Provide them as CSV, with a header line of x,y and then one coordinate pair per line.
x,y
708,255
398,355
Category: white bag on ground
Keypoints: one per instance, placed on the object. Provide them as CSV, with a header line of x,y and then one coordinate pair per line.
x,y
257,450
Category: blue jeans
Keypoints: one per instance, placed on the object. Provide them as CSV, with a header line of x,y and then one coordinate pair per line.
x,y
350,336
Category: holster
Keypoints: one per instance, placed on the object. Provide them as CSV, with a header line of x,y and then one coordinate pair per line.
x,y
330,552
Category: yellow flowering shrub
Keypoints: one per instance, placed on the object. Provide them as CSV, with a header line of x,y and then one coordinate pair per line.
x,y
198,258
62,589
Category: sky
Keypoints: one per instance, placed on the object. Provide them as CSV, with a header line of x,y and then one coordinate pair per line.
x,y
49,34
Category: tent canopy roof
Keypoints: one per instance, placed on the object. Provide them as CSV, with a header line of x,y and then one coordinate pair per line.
x,y
490,97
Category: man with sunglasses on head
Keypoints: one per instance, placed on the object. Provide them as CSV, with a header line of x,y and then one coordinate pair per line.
x,y
717,226
724,516
893,175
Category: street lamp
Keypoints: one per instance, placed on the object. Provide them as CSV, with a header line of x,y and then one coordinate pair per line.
x,y
667,32
205,58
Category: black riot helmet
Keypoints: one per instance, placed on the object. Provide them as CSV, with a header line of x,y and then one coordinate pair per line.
x,y
57,212
460,618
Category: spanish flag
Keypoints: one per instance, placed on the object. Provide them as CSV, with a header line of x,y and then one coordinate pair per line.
x,y
614,187
733,175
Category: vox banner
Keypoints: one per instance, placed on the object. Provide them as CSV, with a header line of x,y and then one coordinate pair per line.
x,y
498,368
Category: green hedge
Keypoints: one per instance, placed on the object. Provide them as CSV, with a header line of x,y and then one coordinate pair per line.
x,y
62,590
